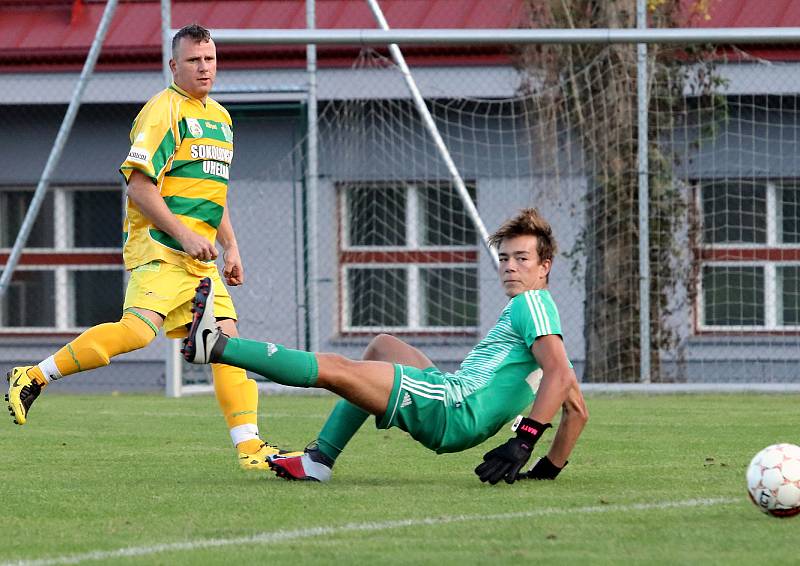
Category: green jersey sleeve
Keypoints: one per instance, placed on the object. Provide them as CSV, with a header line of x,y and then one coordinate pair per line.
x,y
534,314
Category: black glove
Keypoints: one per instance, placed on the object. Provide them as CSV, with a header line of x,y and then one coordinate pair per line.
x,y
505,461
543,469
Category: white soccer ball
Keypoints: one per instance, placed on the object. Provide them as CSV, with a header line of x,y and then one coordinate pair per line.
x,y
773,480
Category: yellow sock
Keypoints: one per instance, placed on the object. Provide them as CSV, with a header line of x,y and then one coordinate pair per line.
x,y
238,398
96,346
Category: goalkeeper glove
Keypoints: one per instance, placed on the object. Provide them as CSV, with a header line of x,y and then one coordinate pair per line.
x,y
505,461
544,469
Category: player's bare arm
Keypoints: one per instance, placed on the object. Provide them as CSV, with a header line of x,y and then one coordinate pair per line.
x,y
144,193
557,375
557,379
574,416
233,271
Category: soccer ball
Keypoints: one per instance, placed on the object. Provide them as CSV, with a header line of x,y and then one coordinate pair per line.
x,y
773,480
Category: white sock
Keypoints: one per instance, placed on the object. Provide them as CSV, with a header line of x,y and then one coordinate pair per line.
x,y
49,369
243,432
316,470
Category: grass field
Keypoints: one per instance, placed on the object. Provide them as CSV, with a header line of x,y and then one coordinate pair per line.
x,y
149,480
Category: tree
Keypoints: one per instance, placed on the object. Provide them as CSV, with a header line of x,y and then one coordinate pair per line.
x,y
593,88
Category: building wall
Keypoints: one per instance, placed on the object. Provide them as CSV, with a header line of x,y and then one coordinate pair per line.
x,y
267,206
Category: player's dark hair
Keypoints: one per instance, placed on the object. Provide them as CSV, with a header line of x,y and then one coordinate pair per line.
x,y
528,223
193,31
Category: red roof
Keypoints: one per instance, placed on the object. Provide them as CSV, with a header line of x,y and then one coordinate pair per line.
x,y
753,14
40,35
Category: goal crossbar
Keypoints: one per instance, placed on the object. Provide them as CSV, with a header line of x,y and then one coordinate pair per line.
x,y
767,35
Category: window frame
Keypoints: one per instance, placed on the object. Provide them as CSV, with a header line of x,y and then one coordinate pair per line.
x,y
768,255
412,257
62,258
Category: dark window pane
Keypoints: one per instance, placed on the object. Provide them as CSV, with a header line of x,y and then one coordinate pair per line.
x,y
789,295
733,296
97,219
13,207
734,212
377,297
450,296
376,216
30,300
98,296
444,219
789,208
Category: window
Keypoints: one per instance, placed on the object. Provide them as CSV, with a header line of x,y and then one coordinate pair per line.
x,y
750,254
408,259
70,275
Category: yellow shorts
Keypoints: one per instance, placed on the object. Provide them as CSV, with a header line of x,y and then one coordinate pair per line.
x,y
168,290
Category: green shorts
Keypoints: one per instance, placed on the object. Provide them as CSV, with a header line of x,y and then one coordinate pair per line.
x,y
417,405
426,405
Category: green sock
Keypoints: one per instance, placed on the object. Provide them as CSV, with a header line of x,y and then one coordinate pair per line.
x,y
343,422
273,361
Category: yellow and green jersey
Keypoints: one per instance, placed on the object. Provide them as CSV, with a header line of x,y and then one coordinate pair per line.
x,y
186,148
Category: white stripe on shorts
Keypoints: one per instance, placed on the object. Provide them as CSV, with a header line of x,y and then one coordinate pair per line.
x,y
421,388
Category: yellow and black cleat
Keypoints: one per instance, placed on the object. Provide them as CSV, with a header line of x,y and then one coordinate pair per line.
x,y
22,392
258,460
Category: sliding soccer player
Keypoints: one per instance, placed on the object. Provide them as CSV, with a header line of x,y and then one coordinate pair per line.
x,y
522,360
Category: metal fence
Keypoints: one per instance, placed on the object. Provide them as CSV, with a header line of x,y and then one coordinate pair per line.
x,y
381,240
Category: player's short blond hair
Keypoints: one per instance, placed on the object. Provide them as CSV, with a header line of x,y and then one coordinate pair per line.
x,y
529,222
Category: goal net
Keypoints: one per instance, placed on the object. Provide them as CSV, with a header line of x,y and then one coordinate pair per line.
x,y
394,250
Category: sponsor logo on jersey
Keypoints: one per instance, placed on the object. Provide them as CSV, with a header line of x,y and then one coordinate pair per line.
x,y
194,127
139,155
216,168
211,125
227,132
271,349
201,151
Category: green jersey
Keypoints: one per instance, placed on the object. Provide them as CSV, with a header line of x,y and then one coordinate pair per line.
x,y
449,412
500,376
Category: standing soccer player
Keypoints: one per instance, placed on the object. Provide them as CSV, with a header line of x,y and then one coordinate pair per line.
x,y
177,173
522,360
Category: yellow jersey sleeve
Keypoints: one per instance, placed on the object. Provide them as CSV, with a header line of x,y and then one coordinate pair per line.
x,y
154,138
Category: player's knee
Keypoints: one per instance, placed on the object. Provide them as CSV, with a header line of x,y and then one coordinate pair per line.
x,y
387,348
135,332
380,347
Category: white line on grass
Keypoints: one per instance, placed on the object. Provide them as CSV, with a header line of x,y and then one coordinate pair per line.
x,y
284,535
